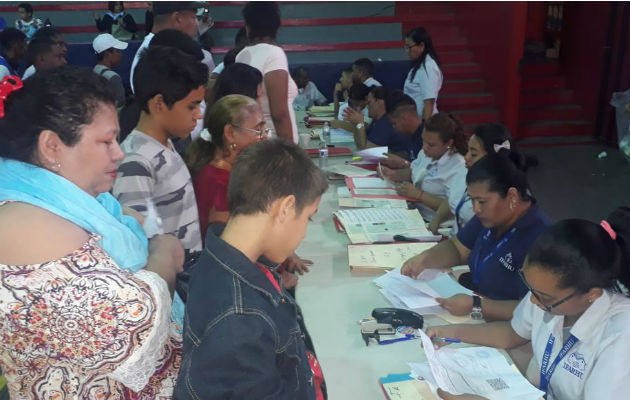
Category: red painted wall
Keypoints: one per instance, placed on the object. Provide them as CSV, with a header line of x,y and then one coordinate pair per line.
x,y
536,19
496,33
584,33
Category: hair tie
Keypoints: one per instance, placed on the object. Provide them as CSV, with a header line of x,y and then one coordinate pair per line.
x,y
505,145
8,85
205,135
604,224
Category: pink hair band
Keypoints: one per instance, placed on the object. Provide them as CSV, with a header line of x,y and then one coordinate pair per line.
x,y
609,229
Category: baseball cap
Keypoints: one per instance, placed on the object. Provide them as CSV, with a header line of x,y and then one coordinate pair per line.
x,y
168,7
106,41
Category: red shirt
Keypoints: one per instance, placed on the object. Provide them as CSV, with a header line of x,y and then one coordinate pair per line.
x,y
210,185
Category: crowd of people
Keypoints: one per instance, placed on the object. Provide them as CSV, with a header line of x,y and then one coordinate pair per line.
x,y
155,257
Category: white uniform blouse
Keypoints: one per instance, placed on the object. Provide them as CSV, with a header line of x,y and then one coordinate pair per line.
x,y
596,367
433,176
456,192
425,85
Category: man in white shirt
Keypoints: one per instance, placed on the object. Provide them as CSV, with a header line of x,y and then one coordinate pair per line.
x,y
308,94
362,71
180,15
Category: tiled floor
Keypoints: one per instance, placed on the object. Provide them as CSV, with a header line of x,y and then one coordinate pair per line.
x,y
571,182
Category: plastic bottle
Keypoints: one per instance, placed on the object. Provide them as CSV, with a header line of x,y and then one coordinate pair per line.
x,y
326,132
323,154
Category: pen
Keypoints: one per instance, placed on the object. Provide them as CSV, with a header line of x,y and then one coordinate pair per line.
x,y
402,339
445,339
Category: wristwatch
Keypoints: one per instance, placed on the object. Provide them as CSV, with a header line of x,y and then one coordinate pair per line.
x,y
476,313
360,125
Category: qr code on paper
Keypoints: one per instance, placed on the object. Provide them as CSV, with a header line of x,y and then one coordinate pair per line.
x,y
497,384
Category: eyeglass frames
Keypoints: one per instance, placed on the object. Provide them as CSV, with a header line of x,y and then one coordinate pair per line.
x,y
542,303
407,47
262,133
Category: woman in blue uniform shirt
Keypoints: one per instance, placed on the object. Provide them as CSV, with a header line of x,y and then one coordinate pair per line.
x,y
494,243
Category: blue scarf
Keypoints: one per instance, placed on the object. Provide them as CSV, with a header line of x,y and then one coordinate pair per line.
x,y
122,237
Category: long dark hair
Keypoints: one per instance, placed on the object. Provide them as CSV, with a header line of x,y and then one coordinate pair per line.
x,y
502,171
448,127
420,35
496,133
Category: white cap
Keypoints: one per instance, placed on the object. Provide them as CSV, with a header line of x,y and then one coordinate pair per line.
x,y
106,41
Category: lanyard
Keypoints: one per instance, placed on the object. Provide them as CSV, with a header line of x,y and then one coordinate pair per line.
x,y
486,237
464,199
545,373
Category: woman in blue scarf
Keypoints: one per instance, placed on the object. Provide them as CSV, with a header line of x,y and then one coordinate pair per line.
x,y
85,298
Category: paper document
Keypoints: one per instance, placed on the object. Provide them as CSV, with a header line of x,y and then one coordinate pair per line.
x,y
377,192
343,191
356,202
483,371
372,153
384,256
371,183
440,285
349,170
368,225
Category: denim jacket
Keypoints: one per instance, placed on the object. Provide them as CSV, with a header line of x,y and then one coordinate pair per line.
x,y
241,335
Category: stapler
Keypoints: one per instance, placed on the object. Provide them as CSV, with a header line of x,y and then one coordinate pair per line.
x,y
398,317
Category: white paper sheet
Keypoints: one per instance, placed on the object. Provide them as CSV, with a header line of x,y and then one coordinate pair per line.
x,y
371,183
373,153
483,371
356,202
349,170
384,255
343,192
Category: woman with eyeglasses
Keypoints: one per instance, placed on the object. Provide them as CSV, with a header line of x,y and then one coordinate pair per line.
x,y
579,326
424,80
493,243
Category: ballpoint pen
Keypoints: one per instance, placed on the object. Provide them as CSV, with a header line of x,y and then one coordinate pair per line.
x,y
401,339
445,339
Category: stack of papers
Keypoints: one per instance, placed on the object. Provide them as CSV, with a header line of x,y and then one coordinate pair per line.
x,y
345,199
369,225
483,371
419,295
379,258
373,188
349,170
373,153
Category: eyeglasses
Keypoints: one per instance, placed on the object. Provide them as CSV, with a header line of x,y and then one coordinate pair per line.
x,y
262,133
542,303
407,47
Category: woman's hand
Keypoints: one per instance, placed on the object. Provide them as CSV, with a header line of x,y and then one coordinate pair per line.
x,y
408,189
414,266
447,396
434,226
441,331
459,305
393,161
296,264
352,115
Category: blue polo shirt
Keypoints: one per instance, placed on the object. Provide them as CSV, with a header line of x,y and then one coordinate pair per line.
x,y
382,133
495,261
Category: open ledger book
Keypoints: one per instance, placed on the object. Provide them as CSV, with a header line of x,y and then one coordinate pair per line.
x,y
379,258
369,225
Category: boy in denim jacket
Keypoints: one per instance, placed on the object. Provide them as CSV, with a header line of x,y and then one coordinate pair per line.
x,y
242,339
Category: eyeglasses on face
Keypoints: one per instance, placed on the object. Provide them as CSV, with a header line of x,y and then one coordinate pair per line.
x,y
262,133
542,303
407,47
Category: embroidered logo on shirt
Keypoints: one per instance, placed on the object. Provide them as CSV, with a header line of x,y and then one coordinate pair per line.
x,y
507,261
575,364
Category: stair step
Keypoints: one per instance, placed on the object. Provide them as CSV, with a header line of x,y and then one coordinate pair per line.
x,y
454,86
478,116
462,102
456,57
549,141
555,128
550,113
544,82
546,97
463,71
541,68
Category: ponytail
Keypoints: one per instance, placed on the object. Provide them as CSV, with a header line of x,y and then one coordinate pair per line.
x,y
449,127
495,137
501,171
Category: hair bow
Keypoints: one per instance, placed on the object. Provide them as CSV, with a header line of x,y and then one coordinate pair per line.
x,y
205,135
8,85
505,145
604,224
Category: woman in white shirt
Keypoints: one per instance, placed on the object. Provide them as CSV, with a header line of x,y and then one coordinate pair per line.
x,y
262,21
487,138
424,80
441,158
578,325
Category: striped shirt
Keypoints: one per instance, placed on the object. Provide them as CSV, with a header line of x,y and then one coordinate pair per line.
x,y
152,172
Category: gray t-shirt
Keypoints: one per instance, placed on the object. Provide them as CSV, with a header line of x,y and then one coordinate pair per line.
x,y
114,81
152,172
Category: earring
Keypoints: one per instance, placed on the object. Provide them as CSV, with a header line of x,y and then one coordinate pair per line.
x,y
56,166
233,146
512,205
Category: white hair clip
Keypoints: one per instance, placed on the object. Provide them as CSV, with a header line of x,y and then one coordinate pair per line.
x,y
505,145
205,135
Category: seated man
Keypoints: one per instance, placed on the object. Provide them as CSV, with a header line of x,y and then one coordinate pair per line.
x,y
357,99
13,43
243,338
362,71
109,52
340,93
308,94
44,54
380,132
